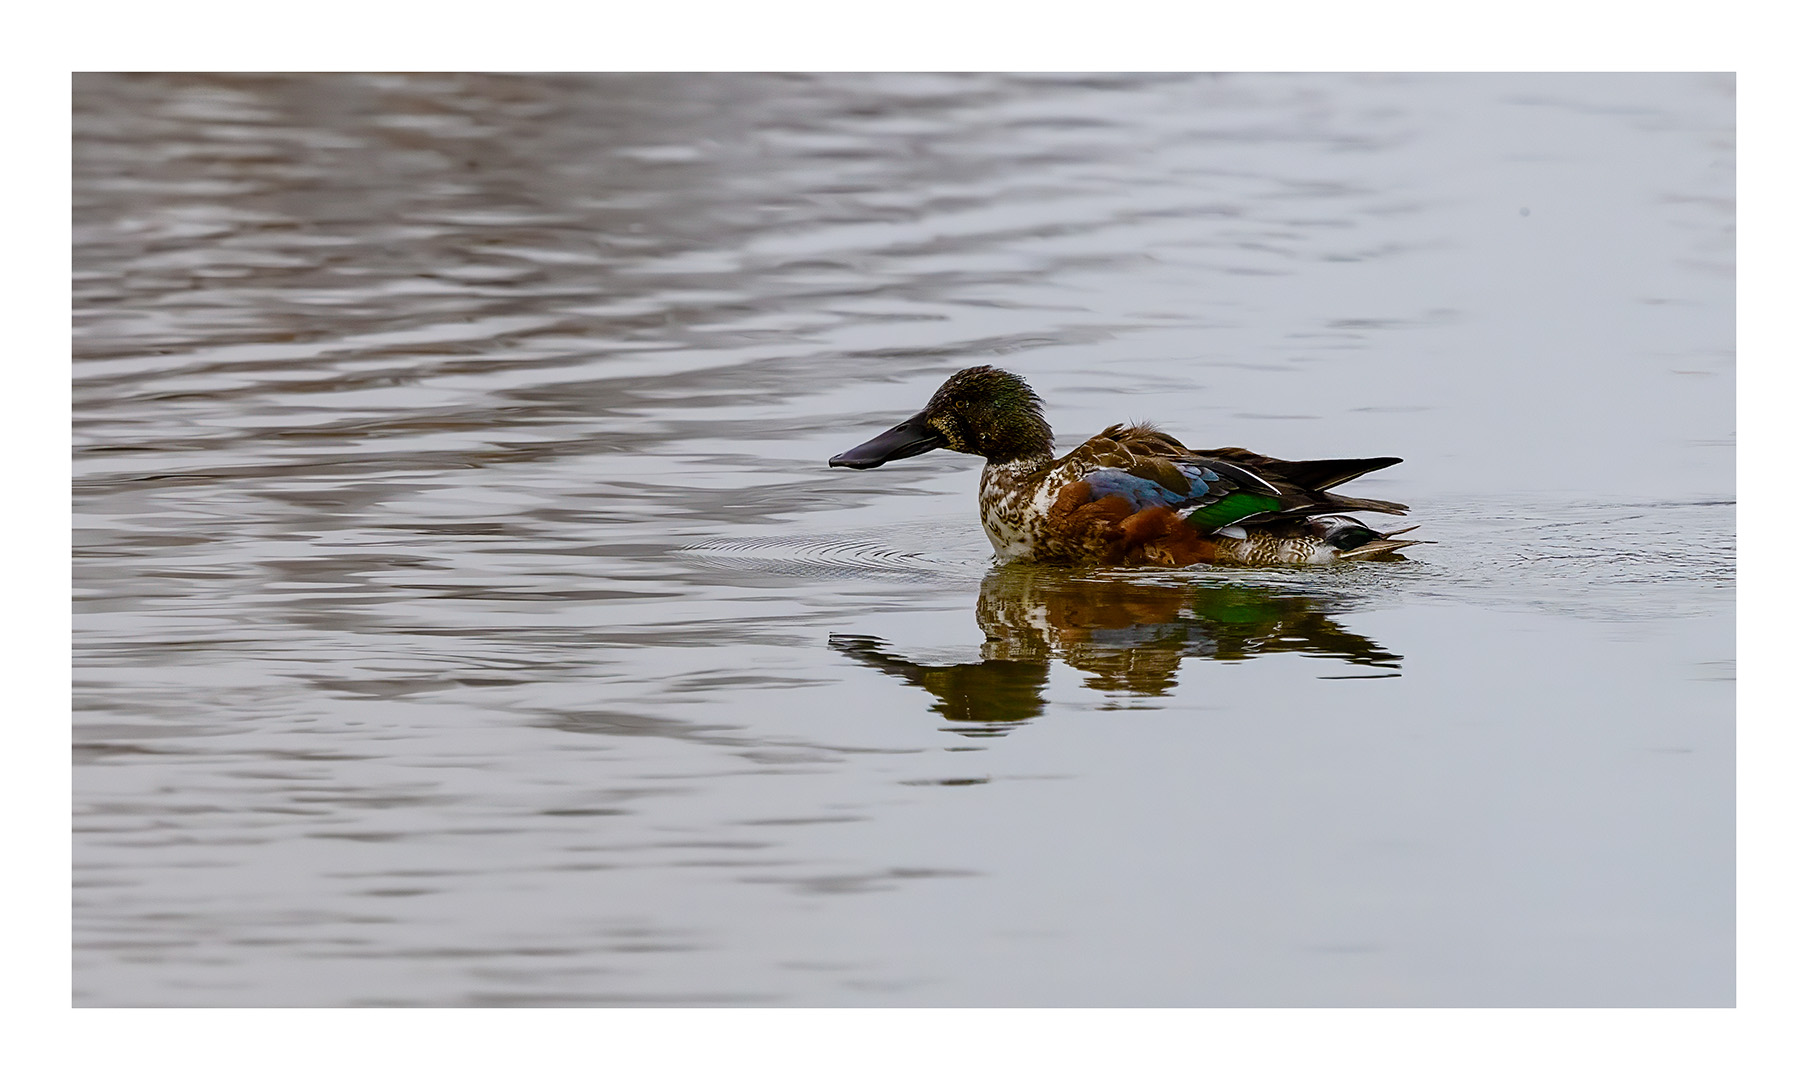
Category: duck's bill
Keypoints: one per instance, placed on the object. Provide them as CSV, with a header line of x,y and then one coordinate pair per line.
x,y
908,439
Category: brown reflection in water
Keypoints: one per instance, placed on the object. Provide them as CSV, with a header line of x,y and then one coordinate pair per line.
x,y
1128,635
991,691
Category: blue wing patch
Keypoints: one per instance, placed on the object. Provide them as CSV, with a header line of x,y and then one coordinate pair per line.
x,y
1143,492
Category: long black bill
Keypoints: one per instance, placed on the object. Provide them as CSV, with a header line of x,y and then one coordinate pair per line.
x,y
908,439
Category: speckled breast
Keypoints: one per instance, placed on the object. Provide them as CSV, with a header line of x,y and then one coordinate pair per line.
x,y
1011,506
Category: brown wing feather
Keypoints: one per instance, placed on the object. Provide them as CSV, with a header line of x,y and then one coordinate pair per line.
x,y
1144,451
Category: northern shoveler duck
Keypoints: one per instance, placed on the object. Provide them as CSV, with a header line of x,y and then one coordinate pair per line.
x,y
1131,495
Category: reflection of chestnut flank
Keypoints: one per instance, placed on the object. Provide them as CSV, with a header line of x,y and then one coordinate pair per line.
x,y
1126,634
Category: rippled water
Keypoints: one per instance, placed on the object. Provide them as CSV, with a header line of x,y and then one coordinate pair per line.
x,y
465,614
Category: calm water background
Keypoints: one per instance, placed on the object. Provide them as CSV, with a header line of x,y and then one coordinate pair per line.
x,y
465,614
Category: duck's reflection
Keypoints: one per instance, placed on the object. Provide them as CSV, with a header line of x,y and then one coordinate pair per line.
x,y
1126,633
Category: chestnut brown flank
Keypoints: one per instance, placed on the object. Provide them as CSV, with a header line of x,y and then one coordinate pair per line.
x,y
1112,532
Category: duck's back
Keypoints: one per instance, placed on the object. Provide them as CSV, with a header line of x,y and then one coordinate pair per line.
x,y
1134,495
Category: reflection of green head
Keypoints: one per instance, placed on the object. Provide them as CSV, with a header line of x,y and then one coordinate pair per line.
x,y
988,692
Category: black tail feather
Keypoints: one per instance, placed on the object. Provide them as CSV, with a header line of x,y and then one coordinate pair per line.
x,y
1316,475
1344,502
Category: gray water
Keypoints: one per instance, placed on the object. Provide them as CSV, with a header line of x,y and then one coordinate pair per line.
x,y
465,613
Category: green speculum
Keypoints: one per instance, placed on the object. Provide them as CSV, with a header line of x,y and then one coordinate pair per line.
x,y
1231,509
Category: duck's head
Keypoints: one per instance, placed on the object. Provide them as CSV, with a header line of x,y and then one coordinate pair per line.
x,y
981,410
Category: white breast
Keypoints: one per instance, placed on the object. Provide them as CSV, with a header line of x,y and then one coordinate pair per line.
x,y
1010,513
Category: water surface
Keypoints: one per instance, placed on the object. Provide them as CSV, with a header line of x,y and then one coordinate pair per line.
x,y
465,614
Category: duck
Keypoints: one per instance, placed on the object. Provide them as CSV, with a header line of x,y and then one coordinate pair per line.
x,y
1132,495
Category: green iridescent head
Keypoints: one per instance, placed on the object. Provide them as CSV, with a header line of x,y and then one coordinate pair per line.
x,y
980,410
